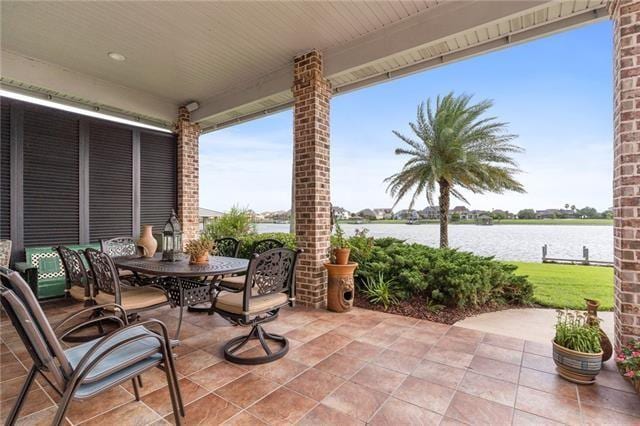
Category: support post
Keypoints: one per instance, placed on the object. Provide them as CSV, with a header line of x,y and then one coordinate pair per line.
x,y
626,169
312,203
188,135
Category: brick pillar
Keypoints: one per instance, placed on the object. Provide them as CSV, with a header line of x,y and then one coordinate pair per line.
x,y
626,174
188,174
311,94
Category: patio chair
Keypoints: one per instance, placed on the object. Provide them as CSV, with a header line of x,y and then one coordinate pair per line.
x,y
109,289
5,253
227,247
91,368
269,286
77,284
236,282
123,246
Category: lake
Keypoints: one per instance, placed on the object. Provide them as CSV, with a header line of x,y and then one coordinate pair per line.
x,y
505,242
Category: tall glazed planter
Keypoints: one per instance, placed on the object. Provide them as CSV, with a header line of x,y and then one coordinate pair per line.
x,y
577,367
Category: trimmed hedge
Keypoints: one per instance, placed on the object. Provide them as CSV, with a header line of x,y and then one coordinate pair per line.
x,y
446,276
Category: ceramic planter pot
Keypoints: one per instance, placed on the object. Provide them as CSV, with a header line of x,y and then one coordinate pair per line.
x,y
198,260
147,244
341,289
577,367
341,255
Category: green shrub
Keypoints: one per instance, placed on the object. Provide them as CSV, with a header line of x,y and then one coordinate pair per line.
x,y
235,223
443,276
247,242
380,291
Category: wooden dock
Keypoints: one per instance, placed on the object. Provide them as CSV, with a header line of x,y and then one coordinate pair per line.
x,y
584,261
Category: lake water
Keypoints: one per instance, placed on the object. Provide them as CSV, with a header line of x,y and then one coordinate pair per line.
x,y
506,242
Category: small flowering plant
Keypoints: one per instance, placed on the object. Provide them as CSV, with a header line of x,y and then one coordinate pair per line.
x,y
628,361
574,331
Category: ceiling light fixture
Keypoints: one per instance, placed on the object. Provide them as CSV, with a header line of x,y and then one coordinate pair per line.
x,y
116,56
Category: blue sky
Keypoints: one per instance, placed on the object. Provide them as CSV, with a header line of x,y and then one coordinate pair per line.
x,y
555,93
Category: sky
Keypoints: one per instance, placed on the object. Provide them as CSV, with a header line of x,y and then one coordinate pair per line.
x,y
555,93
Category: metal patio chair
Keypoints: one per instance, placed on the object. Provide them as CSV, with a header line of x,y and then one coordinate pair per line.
x,y
269,286
236,282
77,284
109,288
227,247
123,246
91,368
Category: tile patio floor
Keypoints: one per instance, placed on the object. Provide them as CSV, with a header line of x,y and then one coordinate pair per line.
x,y
354,368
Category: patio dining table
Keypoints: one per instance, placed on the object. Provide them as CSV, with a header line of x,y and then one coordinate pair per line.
x,y
186,284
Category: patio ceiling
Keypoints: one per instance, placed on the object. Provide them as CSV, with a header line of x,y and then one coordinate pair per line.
x,y
235,58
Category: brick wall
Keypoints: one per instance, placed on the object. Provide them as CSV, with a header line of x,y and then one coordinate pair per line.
x,y
188,174
312,93
626,174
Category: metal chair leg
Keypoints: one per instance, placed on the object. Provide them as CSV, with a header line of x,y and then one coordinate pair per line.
x,y
136,390
63,405
22,396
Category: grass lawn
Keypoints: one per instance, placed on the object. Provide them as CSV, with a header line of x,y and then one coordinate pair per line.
x,y
566,286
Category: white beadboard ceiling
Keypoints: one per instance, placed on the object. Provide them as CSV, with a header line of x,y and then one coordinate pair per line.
x,y
235,58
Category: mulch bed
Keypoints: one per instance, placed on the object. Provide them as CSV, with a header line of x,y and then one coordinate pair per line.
x,y
416,307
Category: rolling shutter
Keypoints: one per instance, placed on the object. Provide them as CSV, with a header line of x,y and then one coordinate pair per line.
x,y
5,173
51,173
110,181
157,179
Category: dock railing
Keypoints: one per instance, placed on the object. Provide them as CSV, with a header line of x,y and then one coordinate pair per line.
x,y
584,261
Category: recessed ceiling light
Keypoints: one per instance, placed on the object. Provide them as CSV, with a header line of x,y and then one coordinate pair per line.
x,y
117,56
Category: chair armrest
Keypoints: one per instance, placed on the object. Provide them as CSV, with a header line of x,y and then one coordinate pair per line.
x,y
124,322
29,274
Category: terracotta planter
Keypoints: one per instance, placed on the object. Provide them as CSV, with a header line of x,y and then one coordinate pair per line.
x,y
147,244
341,289
341,255
577,367
199,260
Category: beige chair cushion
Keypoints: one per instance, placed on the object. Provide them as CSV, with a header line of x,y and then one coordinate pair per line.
x,y
134,299
232,302
77,293
236,282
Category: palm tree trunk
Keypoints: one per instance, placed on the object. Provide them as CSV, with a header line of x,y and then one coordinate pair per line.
x,y
443,200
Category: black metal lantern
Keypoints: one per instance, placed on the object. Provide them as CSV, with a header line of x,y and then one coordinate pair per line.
x,y
172,240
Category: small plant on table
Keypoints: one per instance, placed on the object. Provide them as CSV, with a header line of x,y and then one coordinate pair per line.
x,y
199,249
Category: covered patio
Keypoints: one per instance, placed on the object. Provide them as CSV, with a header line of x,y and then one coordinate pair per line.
x,y
143,83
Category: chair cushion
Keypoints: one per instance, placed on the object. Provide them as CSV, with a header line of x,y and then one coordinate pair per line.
x,y
77,293
232,302
129,354
235,282
134,299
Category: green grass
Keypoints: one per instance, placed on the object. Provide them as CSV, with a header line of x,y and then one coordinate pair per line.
x,y
566,286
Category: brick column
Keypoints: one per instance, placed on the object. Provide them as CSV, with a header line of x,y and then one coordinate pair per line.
x,y
626,174
311,93
188,174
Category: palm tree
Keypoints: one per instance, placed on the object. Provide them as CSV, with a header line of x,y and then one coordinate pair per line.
x,y
455,148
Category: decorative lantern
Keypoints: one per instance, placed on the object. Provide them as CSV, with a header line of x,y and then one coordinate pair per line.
x,y
172,240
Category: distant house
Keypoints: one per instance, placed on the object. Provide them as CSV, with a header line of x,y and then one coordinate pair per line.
x,y
206,216
277,216
407,215
430,213
341,213
484,220
475,214
367,214
383,213
505,213
461,211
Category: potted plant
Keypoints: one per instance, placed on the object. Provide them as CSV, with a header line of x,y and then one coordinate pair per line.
x,y
576,347
339,247
198,250
628,361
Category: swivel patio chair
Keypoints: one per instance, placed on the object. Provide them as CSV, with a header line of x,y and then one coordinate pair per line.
x,y
109,288
269,286
236,282
91,368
